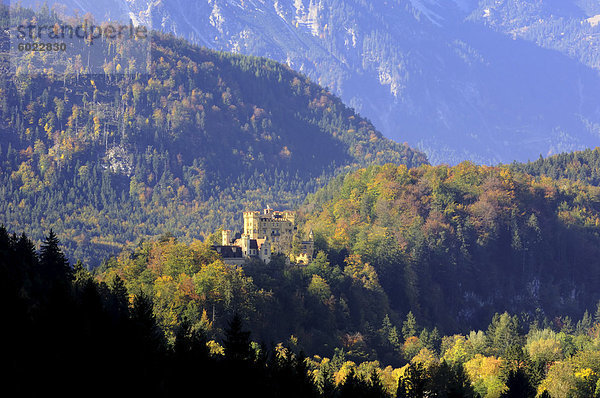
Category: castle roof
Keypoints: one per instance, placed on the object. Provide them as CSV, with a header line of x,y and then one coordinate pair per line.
x,y
254,243
228,251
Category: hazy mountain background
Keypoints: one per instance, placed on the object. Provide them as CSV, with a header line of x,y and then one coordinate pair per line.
x,y
489,81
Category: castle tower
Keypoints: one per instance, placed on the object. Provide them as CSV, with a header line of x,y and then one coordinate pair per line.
x,y
278,226
265,251
245,244
251,223
226,237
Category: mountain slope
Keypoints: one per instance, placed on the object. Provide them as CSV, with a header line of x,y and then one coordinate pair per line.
x,y
435,74
107,159
568,26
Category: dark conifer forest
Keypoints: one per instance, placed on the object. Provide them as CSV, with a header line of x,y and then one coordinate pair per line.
x,y
69,331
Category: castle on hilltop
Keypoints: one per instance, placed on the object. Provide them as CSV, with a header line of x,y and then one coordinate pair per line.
x,y
266,233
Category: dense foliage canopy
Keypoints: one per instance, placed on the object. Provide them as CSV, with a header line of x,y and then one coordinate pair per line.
x,y
456,244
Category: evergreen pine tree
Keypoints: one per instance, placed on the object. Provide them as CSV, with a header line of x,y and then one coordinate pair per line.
x,y
375,387
450,381
459,385
435,340
352,386
325,381
190,345
26,252
584,325
80,273
518,385
120,295
148,336
597,314
304,385
409,327
142,311
53,263
237,341
413,383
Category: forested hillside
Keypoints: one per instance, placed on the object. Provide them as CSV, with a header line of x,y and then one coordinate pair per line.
x,y
583,166
456,244
406,256
315,307
109,159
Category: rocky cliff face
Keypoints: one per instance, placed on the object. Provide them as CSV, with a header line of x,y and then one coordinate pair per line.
x,y
568,26
479,80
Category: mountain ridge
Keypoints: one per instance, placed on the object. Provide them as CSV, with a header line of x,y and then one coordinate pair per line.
x,y
434,74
